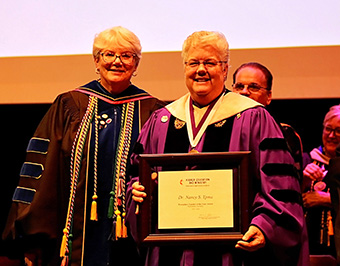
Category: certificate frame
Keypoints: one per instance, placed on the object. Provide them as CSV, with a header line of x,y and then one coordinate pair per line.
x,y
148,231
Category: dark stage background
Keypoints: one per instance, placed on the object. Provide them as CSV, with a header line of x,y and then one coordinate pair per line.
x,y
18,123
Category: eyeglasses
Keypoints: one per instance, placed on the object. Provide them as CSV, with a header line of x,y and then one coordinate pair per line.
x,y
329,130
208,64
252,87
125,58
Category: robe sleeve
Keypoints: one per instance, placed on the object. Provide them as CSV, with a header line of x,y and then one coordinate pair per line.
x,y
277,205
38,203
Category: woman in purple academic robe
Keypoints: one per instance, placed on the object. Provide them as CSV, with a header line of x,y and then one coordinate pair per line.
x,y
212,119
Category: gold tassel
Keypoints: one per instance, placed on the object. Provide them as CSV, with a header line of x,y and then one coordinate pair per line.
x,y
63,244
118,225
330,224
124,233
94,215
330,230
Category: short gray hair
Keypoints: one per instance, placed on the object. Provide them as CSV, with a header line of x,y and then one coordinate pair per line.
x,y
117,36
207,38
333,112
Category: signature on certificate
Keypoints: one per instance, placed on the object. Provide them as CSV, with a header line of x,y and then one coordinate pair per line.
x,y
208,216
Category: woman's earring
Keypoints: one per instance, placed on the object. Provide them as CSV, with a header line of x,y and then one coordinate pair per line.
x,y
134,74
97,71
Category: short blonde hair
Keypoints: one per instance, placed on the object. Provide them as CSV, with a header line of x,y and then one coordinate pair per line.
x,y
207,38
333,112
117,36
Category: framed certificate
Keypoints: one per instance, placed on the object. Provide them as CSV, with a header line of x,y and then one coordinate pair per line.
x,y
196,197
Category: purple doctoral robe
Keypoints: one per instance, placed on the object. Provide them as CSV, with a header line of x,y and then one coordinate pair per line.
x,y
276,210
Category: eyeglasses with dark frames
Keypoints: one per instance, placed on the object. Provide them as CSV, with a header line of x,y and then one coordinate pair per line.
x,y
125,58
328,130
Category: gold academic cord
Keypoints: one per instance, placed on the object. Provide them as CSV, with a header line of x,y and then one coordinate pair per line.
x,y
326,225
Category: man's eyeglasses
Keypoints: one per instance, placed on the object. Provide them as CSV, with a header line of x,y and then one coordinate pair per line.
x,y
328,130
125,58
208,64
252,87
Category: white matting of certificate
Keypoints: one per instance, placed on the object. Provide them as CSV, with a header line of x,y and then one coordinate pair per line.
x,y
195,199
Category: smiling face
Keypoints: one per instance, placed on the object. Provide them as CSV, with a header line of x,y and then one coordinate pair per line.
x,y
115,77
330,140
205,83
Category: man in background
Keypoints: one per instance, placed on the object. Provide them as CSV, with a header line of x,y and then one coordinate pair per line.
x,y
255,81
